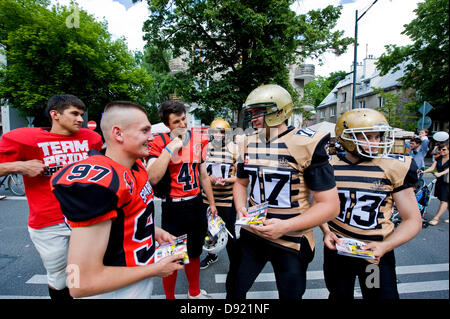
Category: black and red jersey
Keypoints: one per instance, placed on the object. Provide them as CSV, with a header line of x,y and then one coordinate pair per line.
x,y
97,189
184,165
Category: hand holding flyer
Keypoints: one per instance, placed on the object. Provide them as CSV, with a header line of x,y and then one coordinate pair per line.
x,y
178,246
353,248
257,215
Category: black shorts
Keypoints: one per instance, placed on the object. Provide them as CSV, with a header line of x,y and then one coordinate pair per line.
x,y
186,217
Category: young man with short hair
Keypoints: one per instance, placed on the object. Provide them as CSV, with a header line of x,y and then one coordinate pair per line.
x,y
37,154
108,202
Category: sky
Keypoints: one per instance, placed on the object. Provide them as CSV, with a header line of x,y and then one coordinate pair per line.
x,y
381,25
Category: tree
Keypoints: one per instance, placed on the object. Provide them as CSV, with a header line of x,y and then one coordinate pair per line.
x,y
317,90
398,113
63,50
231,47
427,59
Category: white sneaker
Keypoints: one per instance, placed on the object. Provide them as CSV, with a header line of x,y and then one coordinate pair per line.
x,y
202,295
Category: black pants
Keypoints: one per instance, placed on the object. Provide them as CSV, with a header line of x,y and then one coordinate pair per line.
x,y
186,217
228,215
376,281
289,267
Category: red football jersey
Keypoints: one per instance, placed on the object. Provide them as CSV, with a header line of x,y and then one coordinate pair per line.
x,y
183,166
55,151
98,189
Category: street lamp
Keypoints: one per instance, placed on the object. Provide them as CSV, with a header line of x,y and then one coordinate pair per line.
x,y
355,52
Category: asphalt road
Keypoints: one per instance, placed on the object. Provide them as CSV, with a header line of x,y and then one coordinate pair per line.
x,y
422,264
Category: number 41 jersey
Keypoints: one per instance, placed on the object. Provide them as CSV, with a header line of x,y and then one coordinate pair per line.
x,y
98,189
365,193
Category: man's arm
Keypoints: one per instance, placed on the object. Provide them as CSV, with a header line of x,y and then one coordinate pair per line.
x,y
156,167
240,196
29,168
206,185
410,226
86,251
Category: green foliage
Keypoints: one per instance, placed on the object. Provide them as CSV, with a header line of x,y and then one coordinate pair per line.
x,y
64,50
317,90
427,59
398,113
231,47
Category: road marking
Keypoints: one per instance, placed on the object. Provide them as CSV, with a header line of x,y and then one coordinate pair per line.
x,y
316,293
311,275
322,293
318,274
15,198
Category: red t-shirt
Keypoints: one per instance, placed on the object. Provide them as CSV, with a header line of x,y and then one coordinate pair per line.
x,y
183,166
99,189
55,151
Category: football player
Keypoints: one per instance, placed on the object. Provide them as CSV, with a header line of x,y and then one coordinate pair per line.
x,y
37,154
221,168
369,182
283,166
108,202
177,160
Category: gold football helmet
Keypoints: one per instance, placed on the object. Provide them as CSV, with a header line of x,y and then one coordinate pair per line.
x,y
220,124
352,127
274,101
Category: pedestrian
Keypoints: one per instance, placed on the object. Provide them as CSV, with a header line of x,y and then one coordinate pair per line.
x,y
418,148
176,169
283,166
37,154
109,204
441,189
369,182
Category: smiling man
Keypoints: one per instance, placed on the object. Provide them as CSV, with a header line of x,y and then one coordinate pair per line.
x,y
370,181
177,160
108,202
37,153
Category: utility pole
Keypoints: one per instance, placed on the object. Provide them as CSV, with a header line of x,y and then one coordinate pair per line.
x,y
355,55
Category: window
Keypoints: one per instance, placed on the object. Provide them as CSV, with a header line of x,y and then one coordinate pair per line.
x,y
361,104
381,101
322,114
343,97
332,111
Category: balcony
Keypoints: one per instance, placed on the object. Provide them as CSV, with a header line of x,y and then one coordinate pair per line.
x,y
305,72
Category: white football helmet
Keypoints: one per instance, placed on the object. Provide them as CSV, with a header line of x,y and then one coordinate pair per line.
x,y
217,236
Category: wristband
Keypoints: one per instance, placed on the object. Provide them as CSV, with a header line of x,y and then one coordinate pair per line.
x,y
170,152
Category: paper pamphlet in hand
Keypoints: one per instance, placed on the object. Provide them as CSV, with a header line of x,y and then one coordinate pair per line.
x,y
179,246
215,223
257,215
353,248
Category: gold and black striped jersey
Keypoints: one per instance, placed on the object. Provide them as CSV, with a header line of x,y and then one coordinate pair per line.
x,y
365,193
221,161
282,172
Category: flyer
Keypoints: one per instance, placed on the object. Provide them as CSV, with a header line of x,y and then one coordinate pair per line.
x,y
257,215
353,248
167,249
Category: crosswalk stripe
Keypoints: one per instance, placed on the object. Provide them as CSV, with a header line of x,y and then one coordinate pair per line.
x,y
318,274
311,275
15,198
322,293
